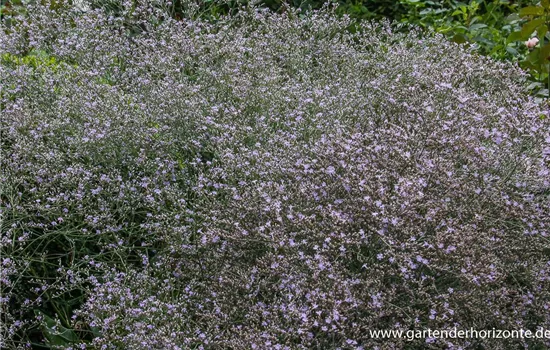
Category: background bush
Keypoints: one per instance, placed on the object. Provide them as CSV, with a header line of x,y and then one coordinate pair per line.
x,y
484,24
264,180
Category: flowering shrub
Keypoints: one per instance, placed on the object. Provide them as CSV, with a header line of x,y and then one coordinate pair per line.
x,y
265,181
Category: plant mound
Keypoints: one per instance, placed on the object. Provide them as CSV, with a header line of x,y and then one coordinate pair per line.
x,y
267,181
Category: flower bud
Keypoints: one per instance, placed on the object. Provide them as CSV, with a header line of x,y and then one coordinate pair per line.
x,y
532,42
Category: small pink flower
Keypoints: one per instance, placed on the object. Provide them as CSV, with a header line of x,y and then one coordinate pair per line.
x,y
532,42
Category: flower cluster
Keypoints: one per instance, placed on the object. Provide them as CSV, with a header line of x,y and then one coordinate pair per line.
x,y
267,181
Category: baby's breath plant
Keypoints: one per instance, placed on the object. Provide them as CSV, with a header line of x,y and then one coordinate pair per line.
x,y
264,181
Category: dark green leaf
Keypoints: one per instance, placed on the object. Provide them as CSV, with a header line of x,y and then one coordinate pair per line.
x,y
55,333
545,53
528,65
534,57
483,40
541,31
512,51
529,27
516,36
459,38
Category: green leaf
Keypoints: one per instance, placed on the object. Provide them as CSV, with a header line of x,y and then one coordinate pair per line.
x,y
459,38
55,333
545,4
528,65
544,53
478,26
534,57
535,85
96,332
460,27
483,40
512,51
531,11
512,17
516,36
475,19
529,27
457,12
541,31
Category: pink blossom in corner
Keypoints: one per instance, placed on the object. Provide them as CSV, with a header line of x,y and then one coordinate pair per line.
x,y
532,42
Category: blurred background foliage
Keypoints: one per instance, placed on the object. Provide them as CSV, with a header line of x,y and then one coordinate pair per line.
x,y
485,25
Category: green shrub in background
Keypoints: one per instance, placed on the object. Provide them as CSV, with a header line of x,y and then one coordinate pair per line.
x,y
485,24
496,28
390,9
534,34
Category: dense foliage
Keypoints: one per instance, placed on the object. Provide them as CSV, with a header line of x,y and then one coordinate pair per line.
x,y
266,181
486,24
